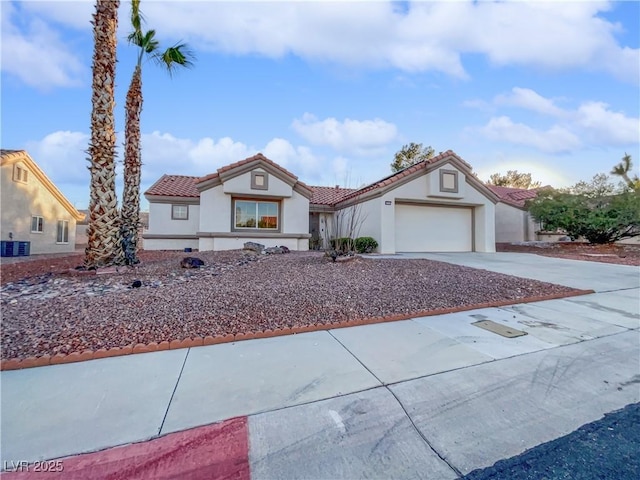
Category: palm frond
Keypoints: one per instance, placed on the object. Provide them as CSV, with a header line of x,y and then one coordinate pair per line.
x,y
180,55
150,44
136,16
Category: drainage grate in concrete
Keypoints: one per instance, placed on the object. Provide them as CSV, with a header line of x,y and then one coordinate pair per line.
x,y
499,328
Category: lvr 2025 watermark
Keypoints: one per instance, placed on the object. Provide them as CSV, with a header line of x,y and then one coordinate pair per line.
x,y
39,466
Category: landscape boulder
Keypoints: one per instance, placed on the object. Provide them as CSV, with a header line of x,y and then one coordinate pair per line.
x,y
191,262
256,247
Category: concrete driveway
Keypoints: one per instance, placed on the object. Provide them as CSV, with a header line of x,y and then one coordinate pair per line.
x,y
601,277
431,397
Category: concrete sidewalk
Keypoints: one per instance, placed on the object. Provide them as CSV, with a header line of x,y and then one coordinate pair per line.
x,y
430,397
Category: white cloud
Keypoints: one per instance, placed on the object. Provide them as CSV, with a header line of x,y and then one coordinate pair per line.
x,y
591,123
76,14
530,100
356,136
425,36
62,156
606,126
36,54
555,139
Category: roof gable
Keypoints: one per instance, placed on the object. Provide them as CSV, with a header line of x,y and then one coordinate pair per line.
x,y
10,157
248,164
416,170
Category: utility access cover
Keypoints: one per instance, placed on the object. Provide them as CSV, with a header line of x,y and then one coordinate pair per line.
x,y
499,328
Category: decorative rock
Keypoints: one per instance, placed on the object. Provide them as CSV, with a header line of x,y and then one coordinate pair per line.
x,y
256,247
285,249
272,250
136,284
191,262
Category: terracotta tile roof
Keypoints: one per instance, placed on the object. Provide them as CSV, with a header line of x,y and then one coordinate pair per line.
x,y
391,179
514,196
329,195
175,186
183,186
258,156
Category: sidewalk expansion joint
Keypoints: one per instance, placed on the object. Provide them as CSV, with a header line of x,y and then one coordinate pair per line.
x,y
174,391
415,427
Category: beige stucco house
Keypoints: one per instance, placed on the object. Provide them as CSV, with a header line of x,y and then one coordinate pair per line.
x,y
33,209
436,205
252,200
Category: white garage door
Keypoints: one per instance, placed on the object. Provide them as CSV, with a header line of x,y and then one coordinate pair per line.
x,y
427,228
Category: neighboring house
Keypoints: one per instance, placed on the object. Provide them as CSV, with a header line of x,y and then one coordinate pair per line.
x,y
513,222
33,209
436,205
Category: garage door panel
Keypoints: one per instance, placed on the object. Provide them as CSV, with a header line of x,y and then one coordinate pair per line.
x,y
422,228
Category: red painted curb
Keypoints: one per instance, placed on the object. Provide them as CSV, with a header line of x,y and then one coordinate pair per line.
x,y
219,451
16,363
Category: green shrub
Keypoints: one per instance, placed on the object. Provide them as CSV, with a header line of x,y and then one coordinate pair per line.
x,y
365,244
342,244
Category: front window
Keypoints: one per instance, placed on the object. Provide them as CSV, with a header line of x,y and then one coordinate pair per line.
x,y
256,215
37,224
179,212
62,235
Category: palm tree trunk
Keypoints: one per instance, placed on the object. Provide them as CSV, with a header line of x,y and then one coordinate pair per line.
x,y
102,232
130,214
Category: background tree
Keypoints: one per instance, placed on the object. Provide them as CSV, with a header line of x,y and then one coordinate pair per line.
x,y
622,170
410,155
513,179
103,243
594,210
176,56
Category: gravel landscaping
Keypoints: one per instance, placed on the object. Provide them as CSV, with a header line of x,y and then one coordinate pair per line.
x,y
236,292
619,254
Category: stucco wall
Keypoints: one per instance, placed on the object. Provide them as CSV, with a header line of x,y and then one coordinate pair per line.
x,y
22,200
360,220
160,221
234,243
295,214
241,185
170,243
513,224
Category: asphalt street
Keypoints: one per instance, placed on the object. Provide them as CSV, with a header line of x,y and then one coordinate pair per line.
x,y
608,449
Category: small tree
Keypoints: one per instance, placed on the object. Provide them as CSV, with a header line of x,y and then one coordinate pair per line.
x,y
594,210
513,179
170,60
410,155
622,170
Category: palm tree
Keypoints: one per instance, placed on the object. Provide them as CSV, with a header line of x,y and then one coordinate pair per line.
x,y
622,170
102,232
170,59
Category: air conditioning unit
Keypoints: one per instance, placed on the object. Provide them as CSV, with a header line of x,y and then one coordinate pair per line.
x,y
14,249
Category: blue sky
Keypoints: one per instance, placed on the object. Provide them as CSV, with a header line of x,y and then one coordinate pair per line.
x,y
331,90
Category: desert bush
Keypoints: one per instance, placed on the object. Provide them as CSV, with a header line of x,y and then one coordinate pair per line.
x,y
594,210
342,244
365,244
